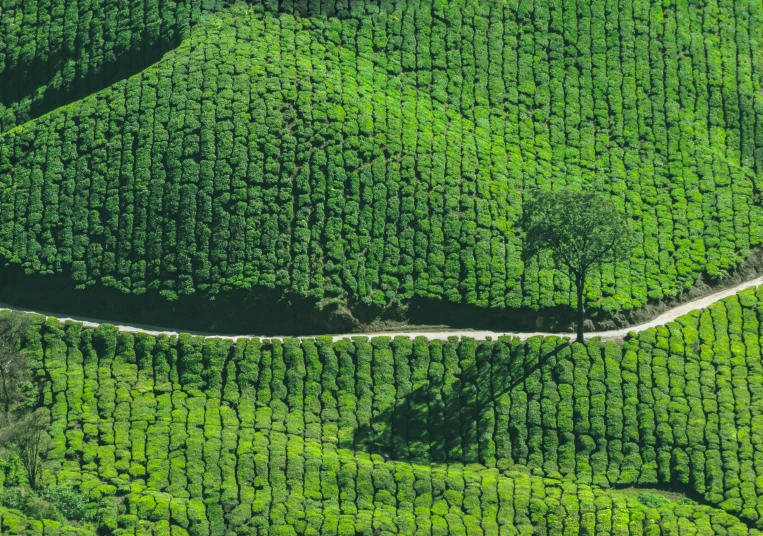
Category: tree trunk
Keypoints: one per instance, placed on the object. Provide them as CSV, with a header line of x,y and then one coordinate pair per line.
x,y
581,309
4,394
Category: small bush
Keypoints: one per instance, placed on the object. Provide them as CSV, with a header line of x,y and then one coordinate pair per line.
x,y
15,497
51,502
71,502
652,500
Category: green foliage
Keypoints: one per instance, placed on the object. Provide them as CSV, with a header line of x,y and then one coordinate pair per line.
x,y
369,153
306,436
18,392
652,500
15,522
373,152
72,504
56,502
15,497
581,228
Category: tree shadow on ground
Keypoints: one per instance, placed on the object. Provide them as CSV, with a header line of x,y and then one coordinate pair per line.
x,y
452,421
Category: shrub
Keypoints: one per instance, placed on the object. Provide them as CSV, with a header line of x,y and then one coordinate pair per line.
x,y
72,503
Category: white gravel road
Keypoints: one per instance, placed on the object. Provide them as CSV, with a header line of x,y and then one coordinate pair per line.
x,y
664,318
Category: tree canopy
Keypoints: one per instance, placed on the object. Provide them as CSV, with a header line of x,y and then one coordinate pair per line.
x,y
17,392
581,229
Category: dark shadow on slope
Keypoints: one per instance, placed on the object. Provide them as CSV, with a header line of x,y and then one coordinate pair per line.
x,y
560,319
422,311
457,423
444,422
257,311
342,9
32,85
275,312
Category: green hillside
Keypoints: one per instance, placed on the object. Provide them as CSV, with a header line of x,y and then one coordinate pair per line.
x,y
210,436
362,160
372,152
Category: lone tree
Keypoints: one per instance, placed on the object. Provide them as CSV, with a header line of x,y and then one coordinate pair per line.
x,y
581,229
15,375
22,430
28,438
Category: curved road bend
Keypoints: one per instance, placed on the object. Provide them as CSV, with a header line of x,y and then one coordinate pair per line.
x,y
614,334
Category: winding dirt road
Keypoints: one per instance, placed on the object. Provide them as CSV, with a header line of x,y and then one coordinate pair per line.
x,y
615,334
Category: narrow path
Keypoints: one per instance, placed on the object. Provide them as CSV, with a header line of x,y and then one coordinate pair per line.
x,y
614,334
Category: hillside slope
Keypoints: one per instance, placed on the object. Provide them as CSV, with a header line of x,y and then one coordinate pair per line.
x,y
361,431
384,153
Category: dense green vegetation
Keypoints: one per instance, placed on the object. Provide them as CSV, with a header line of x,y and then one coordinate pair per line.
x,y
368,152
14,522
55,50
372,152
52,510
408,435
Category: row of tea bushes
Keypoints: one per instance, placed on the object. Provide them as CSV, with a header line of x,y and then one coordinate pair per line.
x,y
337,492
346,494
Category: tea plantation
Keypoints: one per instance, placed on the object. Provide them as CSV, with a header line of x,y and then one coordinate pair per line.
x,y
369,152
187,435
366,156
